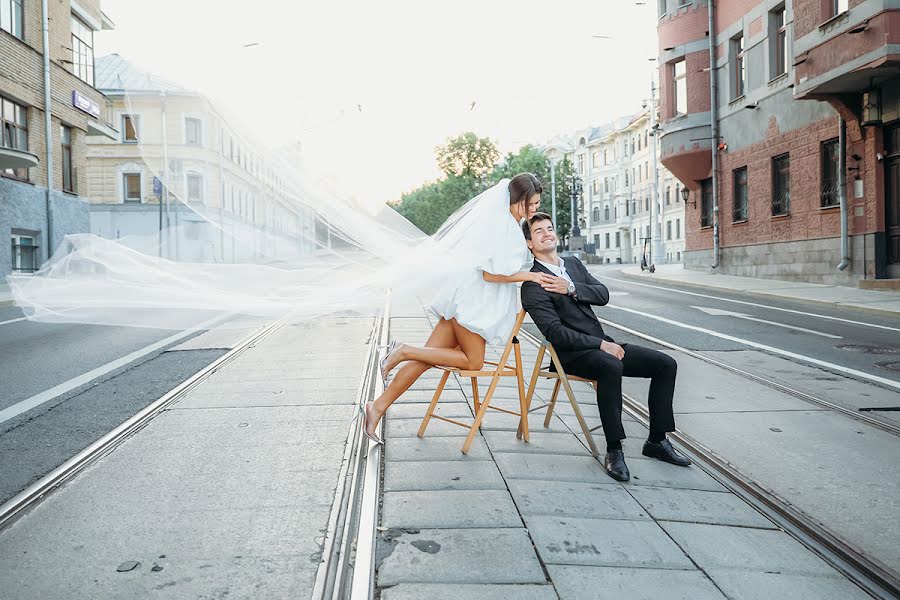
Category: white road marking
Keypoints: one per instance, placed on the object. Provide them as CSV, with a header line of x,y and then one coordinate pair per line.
x,y
611,294
13,321
66,386
788,310
715,312
815,361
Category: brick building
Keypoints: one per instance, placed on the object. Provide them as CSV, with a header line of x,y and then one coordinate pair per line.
x,y
806,90
36,212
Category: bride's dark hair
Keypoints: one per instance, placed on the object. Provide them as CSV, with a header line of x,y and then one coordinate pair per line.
x,y
522,187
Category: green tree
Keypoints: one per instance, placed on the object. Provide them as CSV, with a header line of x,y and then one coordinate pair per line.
x,y
564,172
429,206
467,155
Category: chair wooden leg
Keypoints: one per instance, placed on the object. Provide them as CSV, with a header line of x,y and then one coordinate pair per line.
x,y
579,416
532,385
433,405
552,404
523,405
475,400
479,416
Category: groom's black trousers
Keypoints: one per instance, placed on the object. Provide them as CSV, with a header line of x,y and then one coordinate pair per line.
x,y
607,371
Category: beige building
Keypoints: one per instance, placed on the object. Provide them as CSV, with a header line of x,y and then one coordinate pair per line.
x,y
227,201
37,211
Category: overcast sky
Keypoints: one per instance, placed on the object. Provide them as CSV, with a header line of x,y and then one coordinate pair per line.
x,y
533,70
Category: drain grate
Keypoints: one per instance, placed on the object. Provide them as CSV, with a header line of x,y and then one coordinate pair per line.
x,y
891,366
868,349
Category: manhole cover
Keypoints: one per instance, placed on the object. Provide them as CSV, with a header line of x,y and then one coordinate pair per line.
x,y
868,349
892,366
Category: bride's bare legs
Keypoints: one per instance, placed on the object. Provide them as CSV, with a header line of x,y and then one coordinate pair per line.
x,y
448,340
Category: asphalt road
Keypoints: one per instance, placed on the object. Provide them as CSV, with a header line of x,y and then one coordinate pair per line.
x,y
102,375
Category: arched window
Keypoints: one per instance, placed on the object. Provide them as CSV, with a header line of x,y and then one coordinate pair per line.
x,y
595,214
606,213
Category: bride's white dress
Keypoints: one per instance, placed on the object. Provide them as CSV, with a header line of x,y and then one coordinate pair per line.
x,y
493,242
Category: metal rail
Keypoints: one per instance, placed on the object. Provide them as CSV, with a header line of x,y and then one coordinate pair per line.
x,y
878,580
38,491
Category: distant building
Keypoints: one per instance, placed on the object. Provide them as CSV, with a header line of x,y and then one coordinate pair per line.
x,y
227,200
787,74
615,165
29,231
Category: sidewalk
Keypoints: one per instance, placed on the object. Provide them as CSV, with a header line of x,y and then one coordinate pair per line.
x,y
6,297
544,520
879,302
226,494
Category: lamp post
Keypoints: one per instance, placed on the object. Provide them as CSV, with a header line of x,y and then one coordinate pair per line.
x,y
552,154
575,188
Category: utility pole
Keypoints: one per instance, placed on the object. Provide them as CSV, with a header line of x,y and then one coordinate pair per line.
x,y
656,249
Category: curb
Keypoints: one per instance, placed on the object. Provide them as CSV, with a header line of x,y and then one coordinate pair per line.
x,y
756,294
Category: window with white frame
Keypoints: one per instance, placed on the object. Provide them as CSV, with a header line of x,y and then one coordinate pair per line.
x,y
11,17
14,133
679,86
596,186
194,187
193,131
131,187
130,128
839,6
595,159
82,51
738,67
25,258
778,42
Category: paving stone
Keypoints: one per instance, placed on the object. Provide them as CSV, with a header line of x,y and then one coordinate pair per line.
x,y
460,556
696,506
416,410
442,475
539,443
600,500
434,448
740,548
551,467
424,396
449,509
439,591
398,428
764,586
605,542
649,471
593,583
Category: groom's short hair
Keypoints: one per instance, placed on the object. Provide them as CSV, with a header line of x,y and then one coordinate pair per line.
x,y
538,216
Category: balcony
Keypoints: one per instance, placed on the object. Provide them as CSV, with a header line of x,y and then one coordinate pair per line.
x,y
623,221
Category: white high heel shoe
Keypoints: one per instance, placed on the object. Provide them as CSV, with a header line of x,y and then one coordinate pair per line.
x,y
364,413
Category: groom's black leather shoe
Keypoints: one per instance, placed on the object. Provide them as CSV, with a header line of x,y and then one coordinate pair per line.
x,y
615,465
664,451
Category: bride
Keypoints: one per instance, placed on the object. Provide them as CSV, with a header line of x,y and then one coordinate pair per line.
x,y
479,305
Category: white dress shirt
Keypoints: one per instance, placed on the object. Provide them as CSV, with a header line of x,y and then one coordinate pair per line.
x,y
558,270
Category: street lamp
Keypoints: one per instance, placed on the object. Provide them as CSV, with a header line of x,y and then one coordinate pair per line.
x,y
576,188
686,197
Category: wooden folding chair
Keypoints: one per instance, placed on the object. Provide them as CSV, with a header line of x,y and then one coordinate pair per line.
x,y
494,370
562,380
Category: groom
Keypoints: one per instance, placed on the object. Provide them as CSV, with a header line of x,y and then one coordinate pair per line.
x,y
562,311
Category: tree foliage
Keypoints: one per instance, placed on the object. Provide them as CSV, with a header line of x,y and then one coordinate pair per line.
x,y
467,155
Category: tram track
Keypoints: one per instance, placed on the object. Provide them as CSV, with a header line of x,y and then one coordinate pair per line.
x,y
875,578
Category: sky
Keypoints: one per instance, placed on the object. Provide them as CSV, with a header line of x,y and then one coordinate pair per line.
x,y
369,89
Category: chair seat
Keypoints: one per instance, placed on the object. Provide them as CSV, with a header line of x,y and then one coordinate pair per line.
x,y
555,375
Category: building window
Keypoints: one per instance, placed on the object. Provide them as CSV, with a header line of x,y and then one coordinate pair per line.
x,y
130,124
706,203
661,8
677,193
68,179
596,242
778,41
646,138
618,239
668,230
738,68
581,164
595,214
830,173
24,254
596,186
639,142
647,202
739,211
131,185
11,17
606,213
595,159
668,196
193,131
82,51
838,7
781,185
677,229
605,157
679,85
14,120
607,241
626,179
194,187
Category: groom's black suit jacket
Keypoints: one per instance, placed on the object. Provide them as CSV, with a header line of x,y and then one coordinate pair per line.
x,y
568,322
